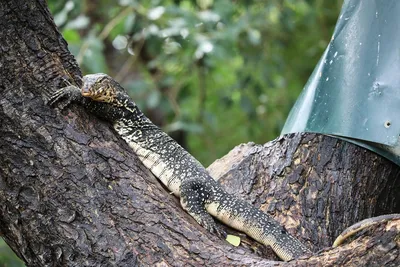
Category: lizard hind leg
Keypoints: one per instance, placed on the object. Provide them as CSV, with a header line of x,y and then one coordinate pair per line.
x,y
193,198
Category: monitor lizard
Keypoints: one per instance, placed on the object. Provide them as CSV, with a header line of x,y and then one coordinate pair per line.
x,y
200,195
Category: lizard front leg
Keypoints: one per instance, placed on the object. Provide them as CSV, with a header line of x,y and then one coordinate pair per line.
x,y
65,96
194,195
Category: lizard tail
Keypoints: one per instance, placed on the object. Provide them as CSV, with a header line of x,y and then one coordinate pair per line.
x,y
352,230
242,216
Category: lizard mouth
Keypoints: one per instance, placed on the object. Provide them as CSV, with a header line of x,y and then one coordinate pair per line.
x,y
86,92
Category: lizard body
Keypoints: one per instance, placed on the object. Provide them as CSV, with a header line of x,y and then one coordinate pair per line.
x,y
200,195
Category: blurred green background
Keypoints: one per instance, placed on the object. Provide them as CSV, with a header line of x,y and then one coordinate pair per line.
x,y
213,74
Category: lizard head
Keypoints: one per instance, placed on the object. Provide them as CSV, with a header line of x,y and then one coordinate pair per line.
x,y
102,88
99,87
110,101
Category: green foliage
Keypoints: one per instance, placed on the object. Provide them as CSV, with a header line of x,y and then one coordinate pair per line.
x,y
224,72
7,256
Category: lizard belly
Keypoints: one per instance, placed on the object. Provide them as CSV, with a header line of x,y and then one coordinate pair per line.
x,y
225,216
158,167
239,222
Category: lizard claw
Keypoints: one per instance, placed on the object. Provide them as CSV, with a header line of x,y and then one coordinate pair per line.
x,y
56,97
64,97
216,229
205,220
193,202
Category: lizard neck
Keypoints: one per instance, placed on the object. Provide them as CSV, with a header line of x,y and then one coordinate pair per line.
x,y
128,116
134,126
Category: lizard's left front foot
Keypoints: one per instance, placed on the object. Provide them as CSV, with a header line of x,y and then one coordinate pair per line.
x,y
208,222
193,201
65,96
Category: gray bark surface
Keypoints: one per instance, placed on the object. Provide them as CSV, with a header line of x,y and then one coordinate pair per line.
x,y
72,193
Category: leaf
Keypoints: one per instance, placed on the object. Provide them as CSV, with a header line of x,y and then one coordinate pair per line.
x,y
153,99
156,13
254,36
61,17
71,36
94,58
78,23
233,240
129,22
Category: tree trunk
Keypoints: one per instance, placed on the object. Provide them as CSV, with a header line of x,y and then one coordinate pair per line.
x,y
72,193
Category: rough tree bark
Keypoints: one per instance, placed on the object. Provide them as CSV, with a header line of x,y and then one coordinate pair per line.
x,y
73,194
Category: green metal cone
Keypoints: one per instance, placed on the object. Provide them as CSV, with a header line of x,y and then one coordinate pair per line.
x,y
354,91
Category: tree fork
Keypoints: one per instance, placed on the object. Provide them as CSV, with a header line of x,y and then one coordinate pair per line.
x,y
73,194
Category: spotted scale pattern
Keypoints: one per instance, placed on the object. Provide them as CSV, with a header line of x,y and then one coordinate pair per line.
x,y
201,196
